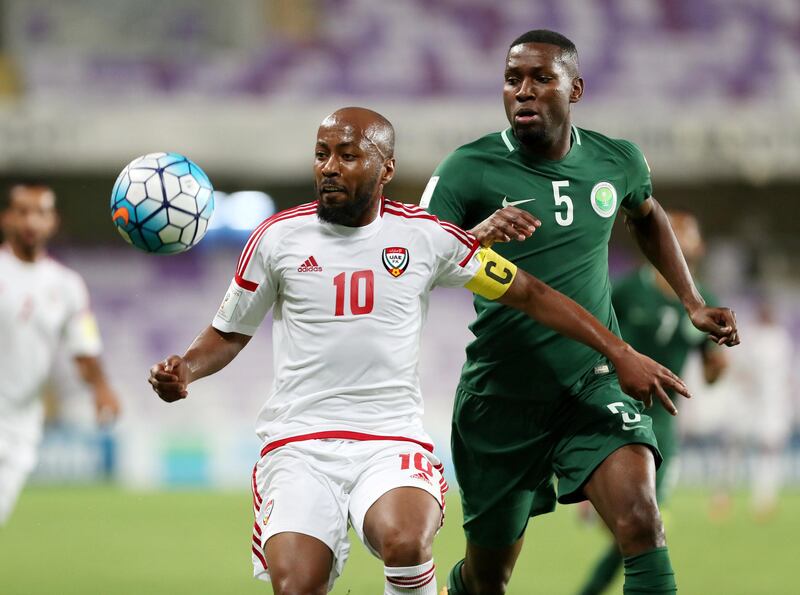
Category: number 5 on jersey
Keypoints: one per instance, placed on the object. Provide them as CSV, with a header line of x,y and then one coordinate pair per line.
x,y
362,292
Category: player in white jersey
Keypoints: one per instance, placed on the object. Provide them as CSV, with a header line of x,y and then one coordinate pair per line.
x,y
347,278
44,307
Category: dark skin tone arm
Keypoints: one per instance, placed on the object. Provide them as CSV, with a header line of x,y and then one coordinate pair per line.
x,y
639,376
650,227
211,351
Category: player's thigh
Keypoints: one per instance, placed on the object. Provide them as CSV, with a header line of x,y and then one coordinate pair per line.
x,y
502,452
298,492
400,490
595,423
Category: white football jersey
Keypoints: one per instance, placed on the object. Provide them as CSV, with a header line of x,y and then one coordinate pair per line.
x,y
348,308
44,306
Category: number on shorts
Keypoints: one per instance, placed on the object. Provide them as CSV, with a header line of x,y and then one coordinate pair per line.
x,y
627,418
420,463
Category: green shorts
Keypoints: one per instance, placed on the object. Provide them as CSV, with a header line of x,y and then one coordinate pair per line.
x,y
506,452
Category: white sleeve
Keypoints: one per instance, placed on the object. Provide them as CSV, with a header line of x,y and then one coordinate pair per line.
x,y
81,335
456,252
252,291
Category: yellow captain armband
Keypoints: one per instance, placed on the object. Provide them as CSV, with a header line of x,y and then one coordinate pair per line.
x,y
494,276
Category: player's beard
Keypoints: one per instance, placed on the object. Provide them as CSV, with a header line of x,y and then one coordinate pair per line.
x,y
532,137
348,213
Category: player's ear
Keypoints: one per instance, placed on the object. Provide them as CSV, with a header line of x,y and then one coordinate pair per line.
x,y
388,171
576,92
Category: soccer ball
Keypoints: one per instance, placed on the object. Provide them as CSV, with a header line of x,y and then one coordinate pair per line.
x,y
162,202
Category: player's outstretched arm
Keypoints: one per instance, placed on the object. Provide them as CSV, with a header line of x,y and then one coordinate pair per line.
x,y
639,376
211,351
651,229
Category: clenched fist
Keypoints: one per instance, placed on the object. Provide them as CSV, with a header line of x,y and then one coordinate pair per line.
x,y
170,379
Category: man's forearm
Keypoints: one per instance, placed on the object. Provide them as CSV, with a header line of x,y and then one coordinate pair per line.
x,y
211,351
658,243
91,371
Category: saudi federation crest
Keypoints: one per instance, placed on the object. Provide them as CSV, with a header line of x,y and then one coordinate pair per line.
x,y
395,260
604,199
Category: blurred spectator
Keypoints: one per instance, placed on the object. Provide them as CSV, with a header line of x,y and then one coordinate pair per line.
x,y
760,413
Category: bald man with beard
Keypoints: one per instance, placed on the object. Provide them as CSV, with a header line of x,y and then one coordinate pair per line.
x,y
348,278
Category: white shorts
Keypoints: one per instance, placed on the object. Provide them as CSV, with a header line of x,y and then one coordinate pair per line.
x,y
16,463
321,487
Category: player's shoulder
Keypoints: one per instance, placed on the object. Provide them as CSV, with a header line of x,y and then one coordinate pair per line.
x,y
56,268
621,148
419,220
492,144
285,221
68,279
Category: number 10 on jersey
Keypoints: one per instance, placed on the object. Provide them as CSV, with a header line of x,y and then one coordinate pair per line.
x,y
362,292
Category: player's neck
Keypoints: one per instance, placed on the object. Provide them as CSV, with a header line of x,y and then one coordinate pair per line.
x,y
26,254
554,148
370,213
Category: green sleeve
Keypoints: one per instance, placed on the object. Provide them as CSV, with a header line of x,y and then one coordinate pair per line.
x,y
451,190
637,172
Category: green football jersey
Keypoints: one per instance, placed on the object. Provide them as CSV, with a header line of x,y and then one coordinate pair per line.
x,y
657,325
577,199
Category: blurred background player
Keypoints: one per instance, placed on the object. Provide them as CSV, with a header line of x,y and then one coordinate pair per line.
x,y
44,307
530,404
653,320
757,418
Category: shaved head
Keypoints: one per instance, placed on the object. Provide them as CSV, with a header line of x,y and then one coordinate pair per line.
x,y
370,126
354,160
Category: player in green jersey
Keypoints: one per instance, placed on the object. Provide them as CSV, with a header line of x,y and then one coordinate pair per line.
x,y
532,404
654,322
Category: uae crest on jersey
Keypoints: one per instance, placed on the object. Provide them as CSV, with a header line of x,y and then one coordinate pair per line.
x,y
395,260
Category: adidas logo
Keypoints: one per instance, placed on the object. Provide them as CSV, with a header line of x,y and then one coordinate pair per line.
x,y
309,266
421,476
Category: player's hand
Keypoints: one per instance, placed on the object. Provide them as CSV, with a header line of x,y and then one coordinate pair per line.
x,y
504,225
645,380
170,379
719,323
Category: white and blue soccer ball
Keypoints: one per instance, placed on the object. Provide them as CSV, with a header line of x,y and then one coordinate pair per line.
x,y
162,203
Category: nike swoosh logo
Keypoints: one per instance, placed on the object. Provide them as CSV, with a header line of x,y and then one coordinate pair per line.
x,y
507,203
628,428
